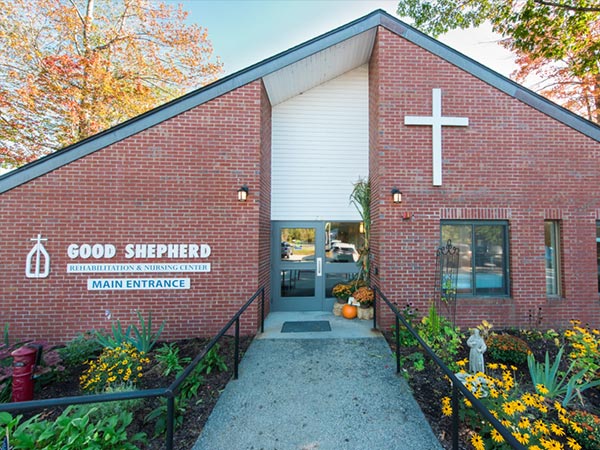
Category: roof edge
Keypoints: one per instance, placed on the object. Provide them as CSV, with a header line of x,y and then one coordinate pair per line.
x,y
258,70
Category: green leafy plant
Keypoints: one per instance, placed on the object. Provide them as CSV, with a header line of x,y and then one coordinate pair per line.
x,y
441,335
74,429
405,337
584,346
123,365
116,338
507,348
551,383
169,360
79,350
187,391
213,361
361,199
143,340
159,415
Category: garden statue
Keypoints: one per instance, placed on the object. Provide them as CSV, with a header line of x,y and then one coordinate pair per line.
x,y
478,348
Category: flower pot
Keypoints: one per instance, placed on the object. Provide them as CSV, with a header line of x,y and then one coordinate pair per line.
x,y
341,301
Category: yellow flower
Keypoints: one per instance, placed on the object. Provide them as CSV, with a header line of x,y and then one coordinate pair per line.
x,y
522,438
477,442
557,430
572,443
508,408
467,403
446,407
496,436
540,427
576,427
524,423
541,389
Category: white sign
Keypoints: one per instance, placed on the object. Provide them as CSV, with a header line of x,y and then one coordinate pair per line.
x,y
33,263
138,268
127,284
436,121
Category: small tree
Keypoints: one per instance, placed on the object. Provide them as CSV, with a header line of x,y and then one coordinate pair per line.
x,y
72,68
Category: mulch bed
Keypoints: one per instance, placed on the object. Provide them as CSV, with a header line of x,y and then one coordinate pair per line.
x,y
430,385
199,408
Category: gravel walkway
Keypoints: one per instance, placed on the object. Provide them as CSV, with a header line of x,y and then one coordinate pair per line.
x,y
317,394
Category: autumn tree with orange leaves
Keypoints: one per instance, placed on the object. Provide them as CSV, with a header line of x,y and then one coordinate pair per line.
x,y
555,41
72,68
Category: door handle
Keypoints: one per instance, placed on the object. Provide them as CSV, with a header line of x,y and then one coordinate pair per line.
x,y
319,267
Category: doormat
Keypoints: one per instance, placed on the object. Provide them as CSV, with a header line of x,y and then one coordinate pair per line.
x,y
305,326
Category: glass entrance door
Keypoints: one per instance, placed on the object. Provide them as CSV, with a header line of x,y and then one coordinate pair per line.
x,y
308,259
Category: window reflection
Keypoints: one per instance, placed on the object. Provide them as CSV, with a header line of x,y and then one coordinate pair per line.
x,y
298,244
297,283
342,242
482,266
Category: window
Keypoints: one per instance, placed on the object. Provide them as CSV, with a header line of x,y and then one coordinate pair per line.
x,y
598,251
552,257
483,257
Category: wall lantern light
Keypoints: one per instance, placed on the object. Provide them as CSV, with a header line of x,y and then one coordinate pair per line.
x,y
361,228
242,193
396,195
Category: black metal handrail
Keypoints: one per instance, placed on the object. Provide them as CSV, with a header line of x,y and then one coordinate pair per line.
x,y
457,385
169,392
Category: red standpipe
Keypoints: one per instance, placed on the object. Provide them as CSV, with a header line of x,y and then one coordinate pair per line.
x,y
23,366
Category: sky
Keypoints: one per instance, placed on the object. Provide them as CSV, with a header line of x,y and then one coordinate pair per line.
x,y
244,32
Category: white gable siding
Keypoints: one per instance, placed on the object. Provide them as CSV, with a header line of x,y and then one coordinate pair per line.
x,y
320,148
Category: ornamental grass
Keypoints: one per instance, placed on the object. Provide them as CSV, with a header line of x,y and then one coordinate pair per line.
x,y
120,366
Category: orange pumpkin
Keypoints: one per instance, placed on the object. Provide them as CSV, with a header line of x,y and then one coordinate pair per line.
x,y
349,311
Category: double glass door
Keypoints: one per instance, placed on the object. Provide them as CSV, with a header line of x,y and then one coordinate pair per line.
x,y
309,259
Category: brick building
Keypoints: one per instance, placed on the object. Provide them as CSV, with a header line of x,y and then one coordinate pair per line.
x,y
145,216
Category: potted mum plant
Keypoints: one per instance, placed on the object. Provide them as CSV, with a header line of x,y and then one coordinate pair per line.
x,y
342,293
364,296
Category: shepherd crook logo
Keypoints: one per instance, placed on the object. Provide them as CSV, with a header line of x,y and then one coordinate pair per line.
x,y
33,265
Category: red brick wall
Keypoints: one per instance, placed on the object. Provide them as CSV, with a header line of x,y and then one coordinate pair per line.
x,y
174,183
512,163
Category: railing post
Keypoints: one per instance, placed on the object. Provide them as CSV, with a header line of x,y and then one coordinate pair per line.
x,y
170,421
236,353
454,417
375,308
397,344
262,310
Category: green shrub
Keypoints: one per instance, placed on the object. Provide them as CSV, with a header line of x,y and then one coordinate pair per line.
x,y
79,350
507,348
213,361
115,367
74,429
586,428
444,338
169,361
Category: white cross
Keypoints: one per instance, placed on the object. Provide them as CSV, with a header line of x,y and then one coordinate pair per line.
x,y
437,121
